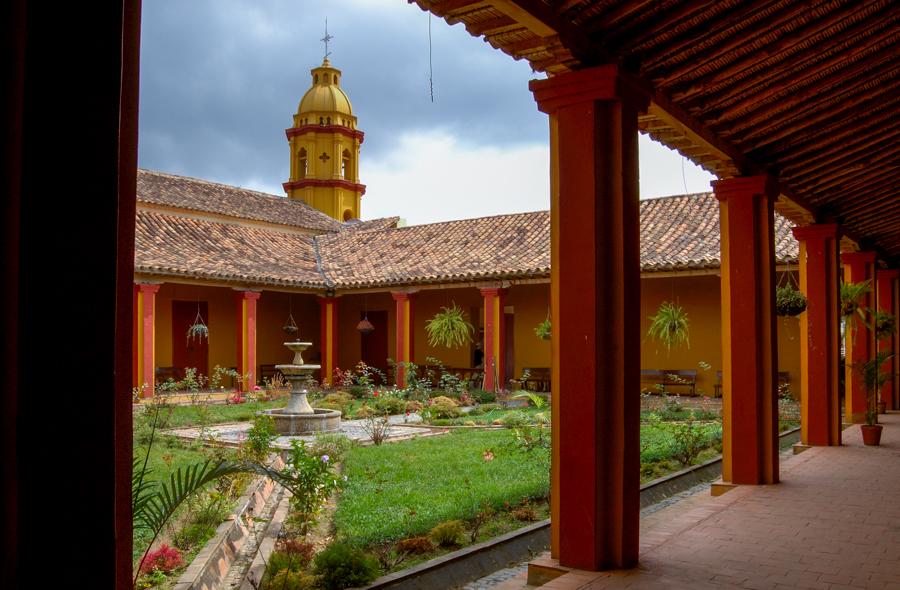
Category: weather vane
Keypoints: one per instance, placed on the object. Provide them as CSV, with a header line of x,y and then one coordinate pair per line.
x,y
326,39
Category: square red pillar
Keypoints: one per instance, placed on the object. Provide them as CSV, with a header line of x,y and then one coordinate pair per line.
x,y
494,336
886,281
144,338
859,341
405,344
820,421
246,337
749,367
596,273
328,308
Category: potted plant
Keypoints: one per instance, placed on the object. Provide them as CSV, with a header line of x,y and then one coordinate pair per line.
x,y
542,330
449,328
669,326
873,378
198,330
365,326
789,302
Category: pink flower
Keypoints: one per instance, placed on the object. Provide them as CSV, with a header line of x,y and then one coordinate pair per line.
x,y
256,388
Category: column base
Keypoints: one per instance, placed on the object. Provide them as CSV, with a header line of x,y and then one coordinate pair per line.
x,y
545,569
800,447
720,487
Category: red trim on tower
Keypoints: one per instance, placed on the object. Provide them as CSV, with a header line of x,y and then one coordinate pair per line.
x,y
333,183
352,133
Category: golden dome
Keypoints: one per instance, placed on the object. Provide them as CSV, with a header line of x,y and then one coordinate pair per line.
x,y
325,95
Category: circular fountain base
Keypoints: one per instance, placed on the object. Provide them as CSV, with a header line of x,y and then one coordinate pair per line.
x,y
321,420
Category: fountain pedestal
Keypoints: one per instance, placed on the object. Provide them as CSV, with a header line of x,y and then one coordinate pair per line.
x,y
299,417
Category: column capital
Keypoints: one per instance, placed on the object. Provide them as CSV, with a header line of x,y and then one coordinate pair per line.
x,y
857,257
252,295
491,291
820,231
606,82
743,186
148,287
887,273
403,295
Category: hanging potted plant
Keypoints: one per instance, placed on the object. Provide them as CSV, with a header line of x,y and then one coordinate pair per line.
x,y
449,328
789,302
669,326
198,329
365,326
542,330
290,327
851,296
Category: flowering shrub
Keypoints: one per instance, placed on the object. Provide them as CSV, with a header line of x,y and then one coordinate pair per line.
x,y
443,407
415,545
165,559
237,398
314,480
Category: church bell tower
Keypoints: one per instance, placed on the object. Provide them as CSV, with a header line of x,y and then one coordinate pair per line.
x,y
324,144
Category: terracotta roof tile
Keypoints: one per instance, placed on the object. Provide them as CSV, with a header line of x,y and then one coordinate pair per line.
x,y
174,245
201,195
682,233
505,246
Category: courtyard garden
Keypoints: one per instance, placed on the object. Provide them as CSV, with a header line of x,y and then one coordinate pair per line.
x,y
362,510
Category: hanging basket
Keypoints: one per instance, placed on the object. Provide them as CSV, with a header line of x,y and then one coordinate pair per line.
x,y
789,302
365,326
291,326
543,329
198,330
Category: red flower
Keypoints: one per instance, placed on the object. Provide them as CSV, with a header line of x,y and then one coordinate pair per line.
x,y
375,393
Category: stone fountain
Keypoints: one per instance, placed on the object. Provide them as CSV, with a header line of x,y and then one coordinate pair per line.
x,y
299,417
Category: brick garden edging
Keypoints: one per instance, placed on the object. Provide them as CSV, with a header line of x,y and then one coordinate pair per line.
x,y
208,569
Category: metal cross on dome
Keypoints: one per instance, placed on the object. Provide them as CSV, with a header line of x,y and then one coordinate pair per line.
x,y
326,39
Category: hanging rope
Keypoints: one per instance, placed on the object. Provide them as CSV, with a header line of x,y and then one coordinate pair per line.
x,y
290,327
430,68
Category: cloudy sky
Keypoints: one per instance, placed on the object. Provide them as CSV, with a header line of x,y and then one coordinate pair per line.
x,y
220,81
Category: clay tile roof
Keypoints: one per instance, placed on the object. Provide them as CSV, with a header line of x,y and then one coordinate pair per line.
x,y
193,194
682,233
371,224
504,246
173,245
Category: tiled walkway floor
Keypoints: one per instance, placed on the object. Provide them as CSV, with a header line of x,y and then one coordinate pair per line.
x,y
833,522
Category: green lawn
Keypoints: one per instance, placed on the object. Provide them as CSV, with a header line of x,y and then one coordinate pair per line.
x,y
177,416
401,489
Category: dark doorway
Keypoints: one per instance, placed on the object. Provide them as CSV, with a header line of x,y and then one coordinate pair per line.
x,y
186,352
374,345
509,358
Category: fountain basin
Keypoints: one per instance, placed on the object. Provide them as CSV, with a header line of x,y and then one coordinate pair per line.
x,y
321,420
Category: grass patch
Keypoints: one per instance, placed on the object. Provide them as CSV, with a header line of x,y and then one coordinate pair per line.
x,y
401,489
206,413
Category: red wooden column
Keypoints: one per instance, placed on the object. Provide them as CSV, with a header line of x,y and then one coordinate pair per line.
x,y
246,336
887,303
328,308
819,335
494,336
144,337
859,341
750,398
595,213
405,334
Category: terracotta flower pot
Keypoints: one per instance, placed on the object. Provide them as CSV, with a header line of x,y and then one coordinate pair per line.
x,y
871,434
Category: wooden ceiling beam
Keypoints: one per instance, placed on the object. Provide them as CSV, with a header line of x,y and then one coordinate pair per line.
x,y
847,176
451,7
669,25
780,49
887,178
813,81
541,19
847,94
490,25
860,151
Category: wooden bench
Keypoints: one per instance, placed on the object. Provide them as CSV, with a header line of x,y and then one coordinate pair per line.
x,y
538,379
666,378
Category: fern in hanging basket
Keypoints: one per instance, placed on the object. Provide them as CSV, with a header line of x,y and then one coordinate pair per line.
x,y
851,294
789,302
669,326
884,324
542,330
449,328
198,331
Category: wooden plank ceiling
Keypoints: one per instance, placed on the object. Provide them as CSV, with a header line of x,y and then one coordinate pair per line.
x,y
807,91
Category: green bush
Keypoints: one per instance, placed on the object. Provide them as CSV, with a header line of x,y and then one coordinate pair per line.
x,y
193,535
339,400
358,391
486,409
389,404
290,580
260,437
515,419
447,533
335,445
341,565
483,397
443,407
282,560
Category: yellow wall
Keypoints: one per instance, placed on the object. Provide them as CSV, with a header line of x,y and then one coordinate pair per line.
x,y
428,303
222,323
349,339
530,304
272,312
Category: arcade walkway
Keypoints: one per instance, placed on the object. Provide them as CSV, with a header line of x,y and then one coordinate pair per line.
x,y
833,523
